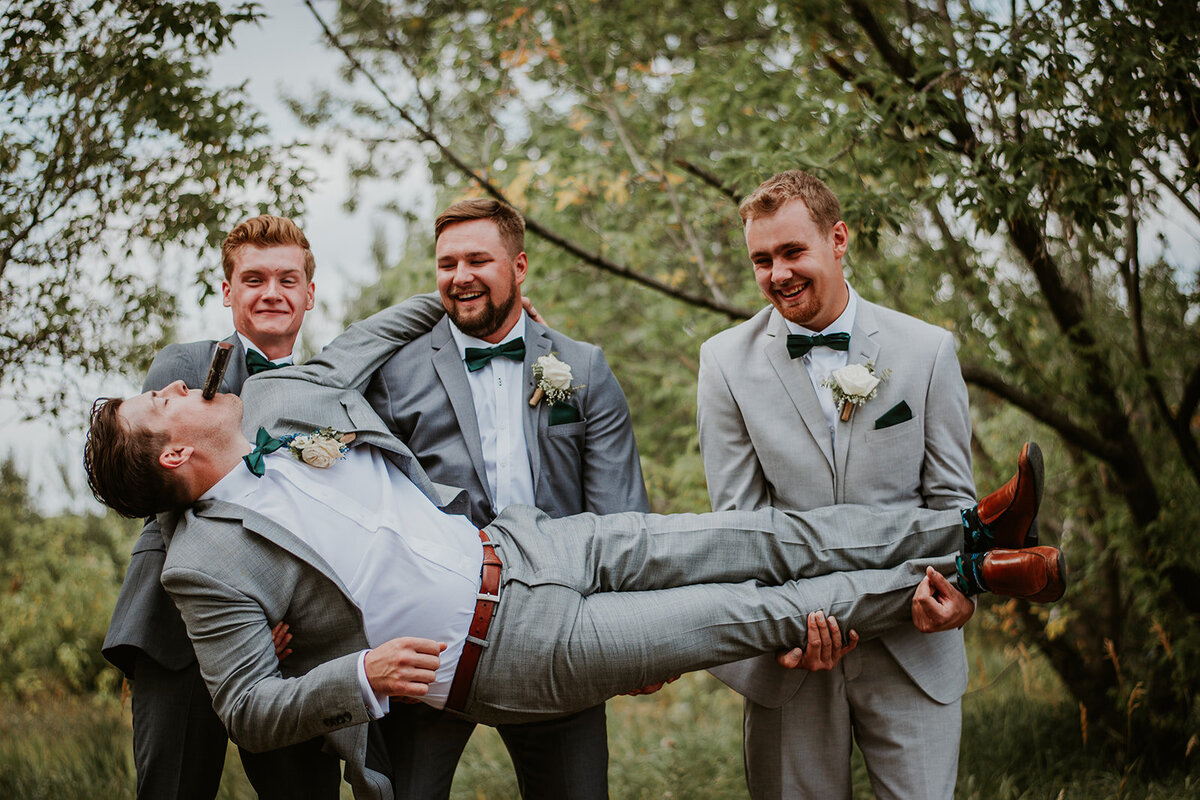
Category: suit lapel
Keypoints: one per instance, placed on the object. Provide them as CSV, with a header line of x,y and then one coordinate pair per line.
x,y
448,364
864,349
799,386
537,344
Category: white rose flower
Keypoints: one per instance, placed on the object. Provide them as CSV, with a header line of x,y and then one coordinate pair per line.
x,y
321,453
302,440
855,380
555,373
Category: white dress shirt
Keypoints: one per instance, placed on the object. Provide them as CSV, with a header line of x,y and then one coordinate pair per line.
x,y
821,361
412,569
498,392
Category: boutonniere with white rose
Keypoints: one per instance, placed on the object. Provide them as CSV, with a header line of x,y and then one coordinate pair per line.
x,y
553,381
853,385
320,448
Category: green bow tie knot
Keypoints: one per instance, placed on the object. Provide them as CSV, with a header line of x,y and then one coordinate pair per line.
x,y
479,357
256,363
264,444
798,344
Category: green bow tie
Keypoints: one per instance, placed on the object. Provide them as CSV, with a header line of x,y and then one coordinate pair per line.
x,y
478,357
264,443
256,362
798,344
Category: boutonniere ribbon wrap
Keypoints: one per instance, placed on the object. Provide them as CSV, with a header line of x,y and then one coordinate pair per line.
x,y
853,385
320,448
553,381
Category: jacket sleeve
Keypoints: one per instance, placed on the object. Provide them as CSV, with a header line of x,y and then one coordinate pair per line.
x,y
731,466
261,709
946,477
349,360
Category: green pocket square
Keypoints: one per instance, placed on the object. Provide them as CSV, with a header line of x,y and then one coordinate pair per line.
x,y
894,416
562,413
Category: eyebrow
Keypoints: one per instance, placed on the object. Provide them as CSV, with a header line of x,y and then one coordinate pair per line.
x,y
471,254
262,270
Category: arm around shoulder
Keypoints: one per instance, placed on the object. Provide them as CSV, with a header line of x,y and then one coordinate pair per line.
x,y
349,360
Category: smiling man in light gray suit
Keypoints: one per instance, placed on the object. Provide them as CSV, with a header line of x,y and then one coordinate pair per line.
x,y
459,398
772,434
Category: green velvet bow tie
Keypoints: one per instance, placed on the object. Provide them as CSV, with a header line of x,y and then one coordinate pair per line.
x,y
478,357
264,443
256,362
798,344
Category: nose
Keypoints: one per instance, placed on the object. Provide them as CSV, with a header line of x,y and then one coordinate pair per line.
x,y
271,290
462,273
176,388
780,272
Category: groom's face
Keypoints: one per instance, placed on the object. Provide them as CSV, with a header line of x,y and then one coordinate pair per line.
x,y
479,279
798,266
183,414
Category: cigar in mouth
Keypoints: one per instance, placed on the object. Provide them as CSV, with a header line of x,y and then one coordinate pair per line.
x,y
216,369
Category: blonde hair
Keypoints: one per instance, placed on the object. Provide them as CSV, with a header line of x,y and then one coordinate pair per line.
x,y
265,231
794,184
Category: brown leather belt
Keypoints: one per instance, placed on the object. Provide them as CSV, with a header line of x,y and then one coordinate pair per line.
x,y
485,606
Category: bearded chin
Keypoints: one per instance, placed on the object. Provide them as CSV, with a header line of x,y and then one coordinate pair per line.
x,y
487,321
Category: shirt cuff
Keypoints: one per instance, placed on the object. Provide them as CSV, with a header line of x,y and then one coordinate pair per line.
x,y
377,705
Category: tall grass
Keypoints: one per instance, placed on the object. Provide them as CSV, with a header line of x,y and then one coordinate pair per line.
x,y
1022,740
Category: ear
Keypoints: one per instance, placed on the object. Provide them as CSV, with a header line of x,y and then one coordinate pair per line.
x,y
226,300
312,290
841,238
175,456
521,266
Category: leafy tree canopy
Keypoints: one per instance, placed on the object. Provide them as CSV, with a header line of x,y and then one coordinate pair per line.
x,y
1005,170
111,146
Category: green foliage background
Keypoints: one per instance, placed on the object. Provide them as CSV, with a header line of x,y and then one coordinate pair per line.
x,y
1005,171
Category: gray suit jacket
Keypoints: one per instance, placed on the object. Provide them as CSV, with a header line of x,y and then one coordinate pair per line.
x,y
588,465
144,618
765,442
233,573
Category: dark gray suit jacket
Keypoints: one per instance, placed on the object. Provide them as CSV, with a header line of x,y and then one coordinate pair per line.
x,y
144,618
592,464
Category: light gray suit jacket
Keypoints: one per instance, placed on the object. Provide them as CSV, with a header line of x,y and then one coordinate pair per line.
x,y
233,573
144,617
766,442
590,464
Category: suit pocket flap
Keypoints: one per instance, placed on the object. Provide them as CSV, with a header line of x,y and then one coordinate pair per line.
x,y
894,416
563,414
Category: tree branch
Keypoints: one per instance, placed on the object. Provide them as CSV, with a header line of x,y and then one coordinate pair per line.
x,y
532,225
1044,410
709,178
1170,186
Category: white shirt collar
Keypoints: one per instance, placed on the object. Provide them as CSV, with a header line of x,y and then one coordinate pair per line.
x,y
249,345
236,484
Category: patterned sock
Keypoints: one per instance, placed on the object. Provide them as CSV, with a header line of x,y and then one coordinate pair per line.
x,y
976,536
970,580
